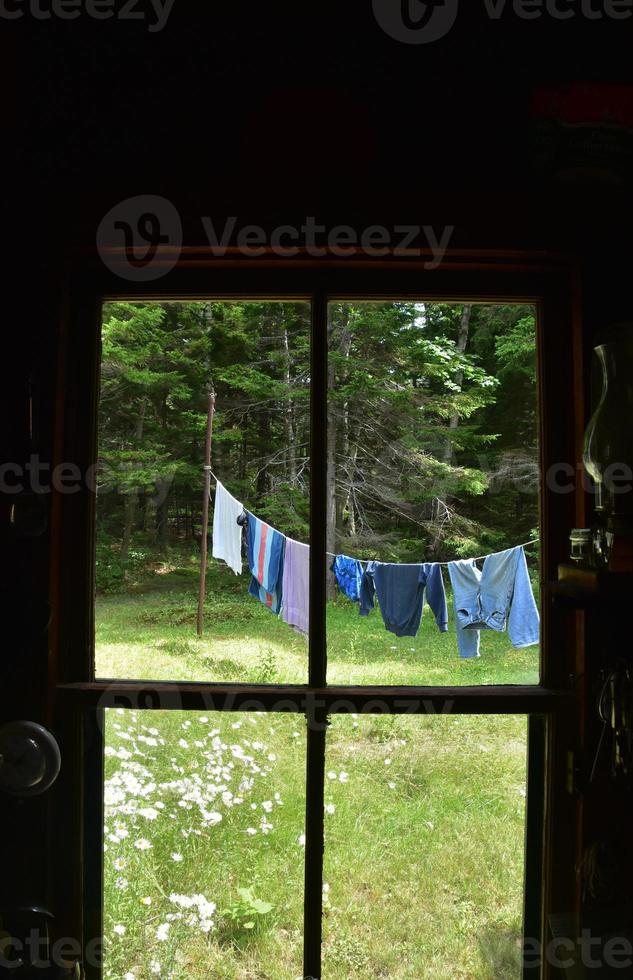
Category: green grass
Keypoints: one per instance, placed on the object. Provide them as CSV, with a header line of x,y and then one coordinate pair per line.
x,y
424,844
151,635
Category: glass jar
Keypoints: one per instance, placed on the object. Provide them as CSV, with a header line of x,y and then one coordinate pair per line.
x,y
581,540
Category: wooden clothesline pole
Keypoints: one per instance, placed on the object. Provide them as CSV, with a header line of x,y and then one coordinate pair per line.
x,y
205,509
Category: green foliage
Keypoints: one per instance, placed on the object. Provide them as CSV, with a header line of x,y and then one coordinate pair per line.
x,y
347,952
433,429
288,508
246,913
109,570
114,574
516,349
267,671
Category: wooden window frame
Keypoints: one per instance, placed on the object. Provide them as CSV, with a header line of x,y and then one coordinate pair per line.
x,y
547,281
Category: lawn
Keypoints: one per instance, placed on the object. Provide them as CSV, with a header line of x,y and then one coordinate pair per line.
x,y
424,815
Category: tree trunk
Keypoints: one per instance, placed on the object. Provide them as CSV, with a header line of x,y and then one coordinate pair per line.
x,y
130,512
289,421
131,497
243,457
344,348
440,508
350,507
331,461
264,447
142,519
162,514
458,378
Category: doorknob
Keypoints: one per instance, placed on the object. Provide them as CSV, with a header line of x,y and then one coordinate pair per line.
x,y
30,759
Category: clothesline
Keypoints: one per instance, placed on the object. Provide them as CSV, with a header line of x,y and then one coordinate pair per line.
x,y
330,554
495,597
478,558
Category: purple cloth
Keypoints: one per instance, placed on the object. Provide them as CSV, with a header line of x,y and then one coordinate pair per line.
x,y
296,585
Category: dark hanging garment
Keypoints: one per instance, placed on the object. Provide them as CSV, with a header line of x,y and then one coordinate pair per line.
x,y
400,590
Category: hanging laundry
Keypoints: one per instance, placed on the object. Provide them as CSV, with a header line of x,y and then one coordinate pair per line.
x,y
348,572
227,536
296,585
400,591
498,596
266,561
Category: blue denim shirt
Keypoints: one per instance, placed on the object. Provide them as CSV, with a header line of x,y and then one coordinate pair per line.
x,y
348,572
498,596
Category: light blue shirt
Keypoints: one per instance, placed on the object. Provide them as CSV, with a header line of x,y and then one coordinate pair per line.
x,y
497,597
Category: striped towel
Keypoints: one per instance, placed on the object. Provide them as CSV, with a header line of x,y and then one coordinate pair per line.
x,y
265,547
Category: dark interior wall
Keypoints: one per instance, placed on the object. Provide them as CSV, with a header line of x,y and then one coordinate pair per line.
x,y
278,108
275,112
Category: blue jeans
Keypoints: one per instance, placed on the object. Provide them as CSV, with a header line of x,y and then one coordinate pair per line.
x,y
497,597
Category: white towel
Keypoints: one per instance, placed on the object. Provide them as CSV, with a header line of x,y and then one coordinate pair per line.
x,y
227,533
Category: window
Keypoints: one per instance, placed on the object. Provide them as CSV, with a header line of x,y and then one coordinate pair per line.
x,y
309,711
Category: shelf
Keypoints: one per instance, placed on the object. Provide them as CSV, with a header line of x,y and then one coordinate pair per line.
x,y
583,588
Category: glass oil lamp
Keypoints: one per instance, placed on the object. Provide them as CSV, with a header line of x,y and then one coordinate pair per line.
x,y
608,449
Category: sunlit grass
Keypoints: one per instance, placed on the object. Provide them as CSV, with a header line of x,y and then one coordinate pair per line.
x,y
424,818
152,635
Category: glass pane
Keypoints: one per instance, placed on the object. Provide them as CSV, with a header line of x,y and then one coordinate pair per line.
x,y
158,361
204,817
424,849
432,458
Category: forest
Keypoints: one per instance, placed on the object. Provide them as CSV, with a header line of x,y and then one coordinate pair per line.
x,y
432,425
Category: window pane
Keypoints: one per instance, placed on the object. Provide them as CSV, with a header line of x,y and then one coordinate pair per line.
x,y
432,457
157,363
204,817
424,850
